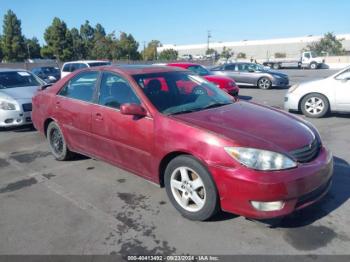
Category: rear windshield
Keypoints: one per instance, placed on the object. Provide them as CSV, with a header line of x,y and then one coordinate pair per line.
x,y
99,64
18,79
49,70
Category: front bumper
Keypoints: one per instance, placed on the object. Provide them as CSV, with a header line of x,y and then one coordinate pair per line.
x,y
280,82
11,118
291,102
297,188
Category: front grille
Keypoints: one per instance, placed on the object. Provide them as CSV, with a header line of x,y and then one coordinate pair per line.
x,y
313,195
307,153
27,107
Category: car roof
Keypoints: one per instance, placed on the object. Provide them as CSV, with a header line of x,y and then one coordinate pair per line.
x,y
183,64
87,61
11,70
140,69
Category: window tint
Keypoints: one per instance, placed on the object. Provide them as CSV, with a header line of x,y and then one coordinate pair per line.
x,y
243,67
115,91
230,67
99,64
77,66
199,70
66,68
307,55
81,87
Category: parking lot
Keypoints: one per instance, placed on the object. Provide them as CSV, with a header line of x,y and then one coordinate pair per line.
x,y
90,207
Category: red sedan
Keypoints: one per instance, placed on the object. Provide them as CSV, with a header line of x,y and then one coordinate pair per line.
x,y
225,83
208,150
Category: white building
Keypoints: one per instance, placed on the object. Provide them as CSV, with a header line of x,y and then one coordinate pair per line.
x,y
257,49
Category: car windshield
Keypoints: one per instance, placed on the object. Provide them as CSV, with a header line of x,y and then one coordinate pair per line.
x,y
99,64
50,70
199,70
180,92
18,79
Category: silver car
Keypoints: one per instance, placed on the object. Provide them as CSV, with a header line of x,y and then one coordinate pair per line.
x,y
317,98
17,87
251,74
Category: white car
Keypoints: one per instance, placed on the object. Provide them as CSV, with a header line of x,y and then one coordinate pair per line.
x,y
17,87
317,98
70,67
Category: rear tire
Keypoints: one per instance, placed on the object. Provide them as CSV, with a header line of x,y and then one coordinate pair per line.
x,y
264,83
191,188
315,105
57,143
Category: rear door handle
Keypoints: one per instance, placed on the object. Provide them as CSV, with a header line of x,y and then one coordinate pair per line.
x,y
99,116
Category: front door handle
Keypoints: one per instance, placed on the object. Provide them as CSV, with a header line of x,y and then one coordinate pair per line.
x,y
58,104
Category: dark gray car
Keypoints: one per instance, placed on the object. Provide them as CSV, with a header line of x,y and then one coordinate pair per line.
x,y
251,74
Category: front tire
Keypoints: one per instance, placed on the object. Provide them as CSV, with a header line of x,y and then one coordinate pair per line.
x,y
191,188
57,142
276,66
313,66
315,105
264,83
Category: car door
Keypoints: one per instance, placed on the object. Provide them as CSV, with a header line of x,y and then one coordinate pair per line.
x,y
246,77
230,70
342,90
124,140
73,110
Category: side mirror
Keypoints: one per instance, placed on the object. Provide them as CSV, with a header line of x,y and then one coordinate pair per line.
x,y
133,109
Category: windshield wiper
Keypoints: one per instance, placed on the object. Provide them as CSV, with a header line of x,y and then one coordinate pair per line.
x,y
213,105
184,111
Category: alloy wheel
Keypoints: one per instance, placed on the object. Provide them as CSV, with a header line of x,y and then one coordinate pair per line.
x,y
314,105
56,141
188,189
264,83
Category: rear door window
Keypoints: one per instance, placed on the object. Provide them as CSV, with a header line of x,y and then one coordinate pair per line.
x,y
81,87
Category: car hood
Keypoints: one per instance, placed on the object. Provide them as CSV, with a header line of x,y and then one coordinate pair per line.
x,y
274,72
26,92
251,125
215,78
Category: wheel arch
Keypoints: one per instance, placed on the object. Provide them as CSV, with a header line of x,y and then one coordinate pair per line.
x,y
168,158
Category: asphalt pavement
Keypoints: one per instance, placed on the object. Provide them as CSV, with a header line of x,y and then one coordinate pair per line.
x,y
90,207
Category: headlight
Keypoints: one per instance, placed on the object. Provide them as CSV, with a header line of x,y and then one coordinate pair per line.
x,y
5,105
260,159
293,88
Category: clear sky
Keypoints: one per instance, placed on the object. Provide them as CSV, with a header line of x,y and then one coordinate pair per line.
x,y
187,21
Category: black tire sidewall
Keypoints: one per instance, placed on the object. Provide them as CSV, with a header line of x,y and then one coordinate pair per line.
x,y
65,152
211,205
323,113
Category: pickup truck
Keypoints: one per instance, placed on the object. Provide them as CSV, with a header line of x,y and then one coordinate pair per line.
x,y
307,59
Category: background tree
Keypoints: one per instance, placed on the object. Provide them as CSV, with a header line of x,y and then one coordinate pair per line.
x,y
1,54
280,55
59,41
150,52
13,46
328,44
226,53
212,53
87,33
102,44
128,47
78,45
33,48
241,55
168,54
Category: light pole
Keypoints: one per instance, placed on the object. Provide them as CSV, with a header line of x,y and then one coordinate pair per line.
x,y
208,39
28,51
